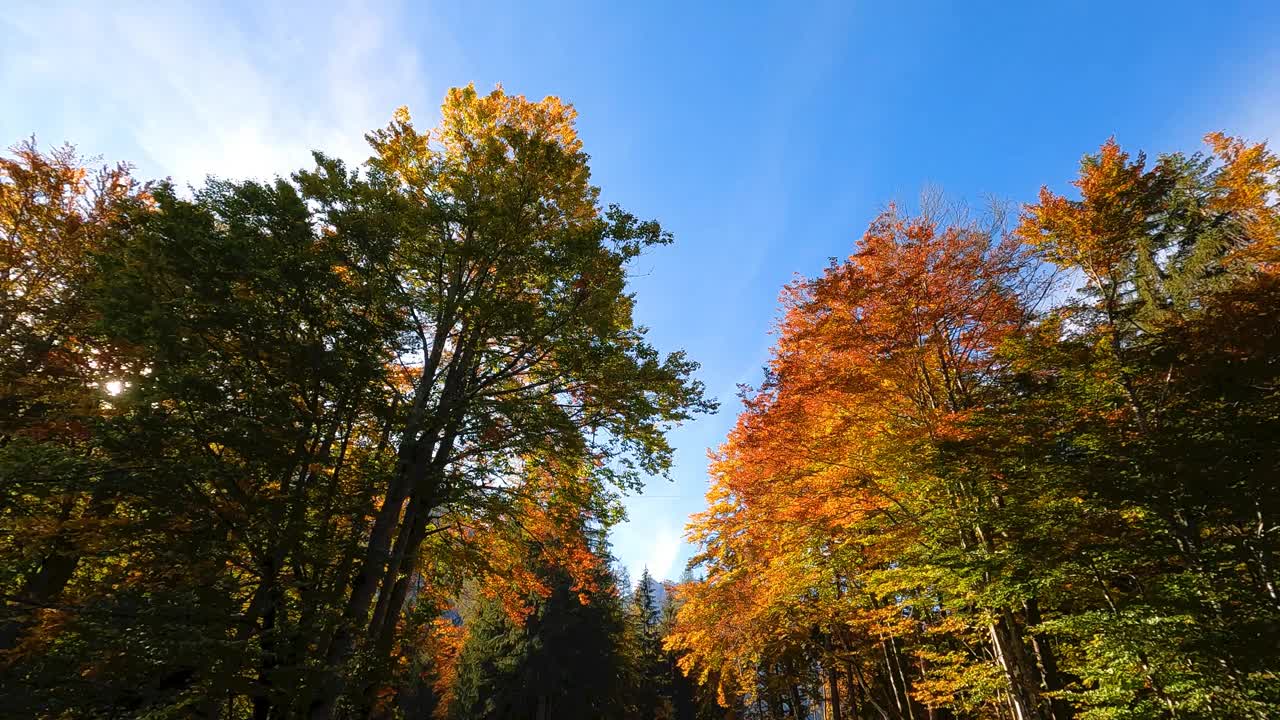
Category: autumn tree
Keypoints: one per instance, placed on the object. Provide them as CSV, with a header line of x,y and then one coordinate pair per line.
x,y
955,499
1163,363
55,371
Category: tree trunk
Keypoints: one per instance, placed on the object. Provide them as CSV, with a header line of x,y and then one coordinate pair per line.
x,y
423,458
1019,671
363,588
45,585
796,704
267,665
1059,709
834,711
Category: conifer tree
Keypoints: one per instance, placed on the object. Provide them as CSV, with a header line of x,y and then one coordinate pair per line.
x,y
566,659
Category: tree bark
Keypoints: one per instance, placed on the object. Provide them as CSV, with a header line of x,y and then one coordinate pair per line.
x,y
1059,709
45,585
834,711
1019,671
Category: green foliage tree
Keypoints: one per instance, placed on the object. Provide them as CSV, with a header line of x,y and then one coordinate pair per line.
x,y
519,304
257,436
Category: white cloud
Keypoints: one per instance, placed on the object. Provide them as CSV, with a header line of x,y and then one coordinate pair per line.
x,y
190,92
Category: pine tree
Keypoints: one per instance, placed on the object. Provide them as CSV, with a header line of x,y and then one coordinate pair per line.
x,y
646,627
566,659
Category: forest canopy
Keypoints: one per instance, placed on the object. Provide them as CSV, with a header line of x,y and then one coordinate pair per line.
x,y
349,444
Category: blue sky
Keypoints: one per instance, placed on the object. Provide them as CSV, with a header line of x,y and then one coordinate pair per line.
x,y
764,135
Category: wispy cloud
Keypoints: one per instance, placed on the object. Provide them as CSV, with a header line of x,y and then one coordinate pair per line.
x,y
190,92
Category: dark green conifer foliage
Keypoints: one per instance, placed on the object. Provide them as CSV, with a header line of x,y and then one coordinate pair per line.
x,y
568,659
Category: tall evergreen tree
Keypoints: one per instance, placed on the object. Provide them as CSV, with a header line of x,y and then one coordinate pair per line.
x,y
645,619
568,658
